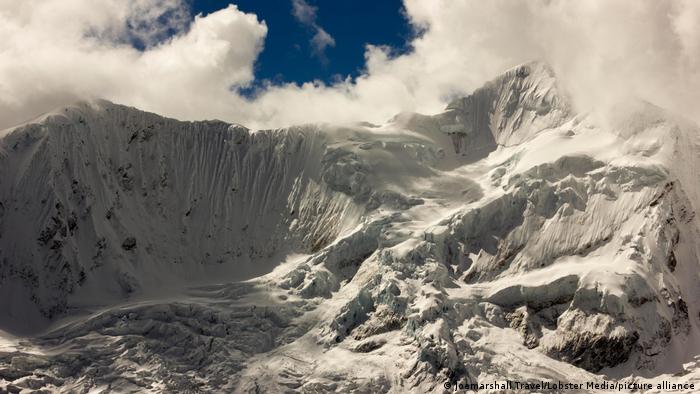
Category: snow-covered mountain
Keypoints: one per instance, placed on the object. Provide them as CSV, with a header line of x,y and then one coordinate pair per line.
x,y
507,238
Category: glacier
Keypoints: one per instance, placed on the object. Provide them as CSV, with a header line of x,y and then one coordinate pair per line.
x,y
508,238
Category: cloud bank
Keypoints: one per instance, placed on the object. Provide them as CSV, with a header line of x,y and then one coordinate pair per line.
x,y
54,52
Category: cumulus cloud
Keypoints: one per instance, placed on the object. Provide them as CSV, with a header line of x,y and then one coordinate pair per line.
x,y
54,52
604,51
306,14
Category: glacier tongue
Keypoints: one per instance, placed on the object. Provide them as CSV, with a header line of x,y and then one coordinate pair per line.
x,y
506,238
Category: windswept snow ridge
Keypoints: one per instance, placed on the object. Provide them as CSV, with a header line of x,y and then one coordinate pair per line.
x,y
506,238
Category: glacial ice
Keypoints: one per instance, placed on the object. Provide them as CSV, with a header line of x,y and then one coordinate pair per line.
x,y
505,238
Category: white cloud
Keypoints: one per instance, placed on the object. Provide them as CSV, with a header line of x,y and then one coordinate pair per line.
x,y
306,14
320,42
56,51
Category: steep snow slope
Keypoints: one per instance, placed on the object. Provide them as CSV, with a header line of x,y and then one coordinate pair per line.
x,y
506,238
102,201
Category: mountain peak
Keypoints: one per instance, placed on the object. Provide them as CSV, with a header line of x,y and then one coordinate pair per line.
x,y
537,74
524,97
533,69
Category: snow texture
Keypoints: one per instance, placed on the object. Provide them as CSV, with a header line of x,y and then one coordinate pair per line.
x,y
508,237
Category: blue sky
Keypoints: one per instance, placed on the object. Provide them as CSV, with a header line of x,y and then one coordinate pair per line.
x,y
289,55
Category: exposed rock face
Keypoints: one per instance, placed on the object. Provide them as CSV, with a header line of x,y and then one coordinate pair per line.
x,y
129,243
506,238
605,342
522,321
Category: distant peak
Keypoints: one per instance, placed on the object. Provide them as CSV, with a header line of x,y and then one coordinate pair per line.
x,y
531,69
536,76
514,106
